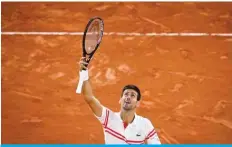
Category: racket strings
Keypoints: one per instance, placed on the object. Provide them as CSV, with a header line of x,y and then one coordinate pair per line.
x,y
92,37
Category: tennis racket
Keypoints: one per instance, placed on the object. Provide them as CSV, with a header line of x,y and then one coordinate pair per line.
x,y
91,40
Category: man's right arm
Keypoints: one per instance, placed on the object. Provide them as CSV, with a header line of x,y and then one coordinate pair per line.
x,y
93,103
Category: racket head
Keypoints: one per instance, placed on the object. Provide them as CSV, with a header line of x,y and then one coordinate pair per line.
x,y
92,37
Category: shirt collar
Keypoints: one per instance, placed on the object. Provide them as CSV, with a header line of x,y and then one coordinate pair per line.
x,y
133,122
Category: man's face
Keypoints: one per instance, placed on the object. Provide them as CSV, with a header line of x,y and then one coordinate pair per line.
x,y
129,100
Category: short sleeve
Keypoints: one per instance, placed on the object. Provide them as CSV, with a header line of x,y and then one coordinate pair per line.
x,y
151,134
104,118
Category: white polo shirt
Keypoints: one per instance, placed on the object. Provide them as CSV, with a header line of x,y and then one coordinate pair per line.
x,y
139,131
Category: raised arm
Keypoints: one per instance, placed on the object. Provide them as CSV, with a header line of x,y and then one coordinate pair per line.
x,y
87,92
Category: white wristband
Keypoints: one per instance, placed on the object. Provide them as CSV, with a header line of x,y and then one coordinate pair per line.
x,y
84,76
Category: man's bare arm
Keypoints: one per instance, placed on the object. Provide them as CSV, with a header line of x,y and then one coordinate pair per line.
x,y
93,103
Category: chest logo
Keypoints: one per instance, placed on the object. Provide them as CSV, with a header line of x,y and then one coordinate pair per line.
x,y
138,134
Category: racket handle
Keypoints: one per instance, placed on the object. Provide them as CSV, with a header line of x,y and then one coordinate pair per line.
x,y
79,86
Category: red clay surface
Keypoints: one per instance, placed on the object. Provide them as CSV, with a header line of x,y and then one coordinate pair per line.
x,y
186,82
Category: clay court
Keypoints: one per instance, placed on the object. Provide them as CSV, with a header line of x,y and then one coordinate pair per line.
x,y
186,81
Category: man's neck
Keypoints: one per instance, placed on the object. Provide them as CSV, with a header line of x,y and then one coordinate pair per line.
x,y
127,116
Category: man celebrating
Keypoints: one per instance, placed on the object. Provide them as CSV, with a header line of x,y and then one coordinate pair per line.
x,y
124,127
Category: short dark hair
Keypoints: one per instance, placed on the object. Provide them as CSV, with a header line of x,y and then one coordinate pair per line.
x,y
134,88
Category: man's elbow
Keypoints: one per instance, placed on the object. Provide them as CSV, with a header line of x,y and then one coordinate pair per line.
x,y
88,98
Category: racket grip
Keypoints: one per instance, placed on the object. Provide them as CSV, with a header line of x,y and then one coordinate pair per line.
x,y
79,86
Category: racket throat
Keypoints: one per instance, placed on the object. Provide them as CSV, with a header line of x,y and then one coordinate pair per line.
x,y
88,58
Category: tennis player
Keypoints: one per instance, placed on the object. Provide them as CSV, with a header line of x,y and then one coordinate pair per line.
x,y
124,127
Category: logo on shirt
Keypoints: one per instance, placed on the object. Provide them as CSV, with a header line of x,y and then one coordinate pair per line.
x,y
138,134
